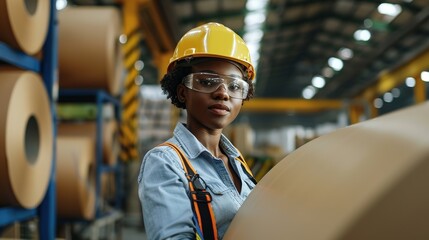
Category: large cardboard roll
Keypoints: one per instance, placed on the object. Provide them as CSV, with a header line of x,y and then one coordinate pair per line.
x,y
24,24
26,139
110,141
75,178
366,181
89,52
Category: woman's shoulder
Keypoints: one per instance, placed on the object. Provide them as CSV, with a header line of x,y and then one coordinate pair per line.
x,y
162,154
161,150
160,158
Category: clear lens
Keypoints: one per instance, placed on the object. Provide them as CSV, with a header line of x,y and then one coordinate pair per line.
x,y
210,82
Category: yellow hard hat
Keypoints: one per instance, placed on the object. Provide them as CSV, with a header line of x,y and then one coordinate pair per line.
x,y
213,40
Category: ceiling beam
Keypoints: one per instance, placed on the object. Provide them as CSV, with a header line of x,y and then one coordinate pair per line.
x,y
390,79
359,67
147,17
290,105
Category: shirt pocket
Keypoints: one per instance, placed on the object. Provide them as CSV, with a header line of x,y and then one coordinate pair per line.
x,y
217,188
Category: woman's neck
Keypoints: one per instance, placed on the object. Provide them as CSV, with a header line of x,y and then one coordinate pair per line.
x,y
208,138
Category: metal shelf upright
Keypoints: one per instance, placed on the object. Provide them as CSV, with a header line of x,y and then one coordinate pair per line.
x,y
46,211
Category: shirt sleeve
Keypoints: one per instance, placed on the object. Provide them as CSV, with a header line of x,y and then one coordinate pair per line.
x,y
162,189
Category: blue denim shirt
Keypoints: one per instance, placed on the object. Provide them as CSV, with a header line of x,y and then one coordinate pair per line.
x,y
164,193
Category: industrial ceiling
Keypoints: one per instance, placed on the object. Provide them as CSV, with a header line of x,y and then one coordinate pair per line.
x,y
308,49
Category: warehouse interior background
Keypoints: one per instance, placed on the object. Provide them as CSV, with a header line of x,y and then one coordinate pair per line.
x,y
321,65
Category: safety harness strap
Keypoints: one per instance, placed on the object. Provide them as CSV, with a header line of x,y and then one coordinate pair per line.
x,y
246,168
200,198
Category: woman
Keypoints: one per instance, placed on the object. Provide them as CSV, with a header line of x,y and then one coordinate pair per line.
x,y
210,76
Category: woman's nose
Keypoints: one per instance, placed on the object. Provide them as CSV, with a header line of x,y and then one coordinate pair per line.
x,y
221,92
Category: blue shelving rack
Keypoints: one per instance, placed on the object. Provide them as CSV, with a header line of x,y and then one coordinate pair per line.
x,y
46,211
99,97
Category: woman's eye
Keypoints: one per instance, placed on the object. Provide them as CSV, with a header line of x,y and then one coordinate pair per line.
x,y
234,87
209,82
206,82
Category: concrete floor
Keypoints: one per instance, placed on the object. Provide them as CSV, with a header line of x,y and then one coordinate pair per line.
x,y
132,227
132,224
133,233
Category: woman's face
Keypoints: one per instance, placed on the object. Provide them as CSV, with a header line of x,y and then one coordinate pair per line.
x,y
216,110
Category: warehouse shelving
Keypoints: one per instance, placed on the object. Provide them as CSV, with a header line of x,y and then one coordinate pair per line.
x,y
46,211
100,97
17,58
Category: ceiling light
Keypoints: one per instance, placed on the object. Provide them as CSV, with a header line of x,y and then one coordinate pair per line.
x,y
389,9
335,63
61,4
388,97
253,36
254,18
253,47
396,92
425,76
123,38
345,53
255,57
308,92
368,23
253,5
327,72
253,23
254,52
138,80
362,35
318,81
139,65
378,103
410,82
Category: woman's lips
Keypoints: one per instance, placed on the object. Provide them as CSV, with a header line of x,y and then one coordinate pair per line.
x,y
219,109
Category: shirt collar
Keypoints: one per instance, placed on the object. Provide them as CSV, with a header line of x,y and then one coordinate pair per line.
x,y
193,148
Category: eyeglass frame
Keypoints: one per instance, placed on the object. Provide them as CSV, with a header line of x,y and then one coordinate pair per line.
x,y
189,79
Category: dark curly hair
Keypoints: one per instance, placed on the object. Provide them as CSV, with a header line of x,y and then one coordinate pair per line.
x,y
173,78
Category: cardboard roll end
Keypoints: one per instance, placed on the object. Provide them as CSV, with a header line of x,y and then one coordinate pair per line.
x,y
365,181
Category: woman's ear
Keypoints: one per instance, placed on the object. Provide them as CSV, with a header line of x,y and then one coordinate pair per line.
x,y
181,96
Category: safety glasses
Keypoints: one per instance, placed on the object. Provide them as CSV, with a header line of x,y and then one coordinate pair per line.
x,y
210,82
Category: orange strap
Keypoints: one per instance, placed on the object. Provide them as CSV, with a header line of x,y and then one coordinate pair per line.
x,y
246,167
200,198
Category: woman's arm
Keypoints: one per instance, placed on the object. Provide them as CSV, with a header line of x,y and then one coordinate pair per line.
x,y
166,207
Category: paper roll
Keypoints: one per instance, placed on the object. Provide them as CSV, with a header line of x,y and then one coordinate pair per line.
x,y
75,177
89,51
366,181
26,139
24,24
110,142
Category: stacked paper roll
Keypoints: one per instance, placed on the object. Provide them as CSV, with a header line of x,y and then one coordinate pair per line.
x,y
24,24
367,181
26,139
89,52
75,177
110,141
